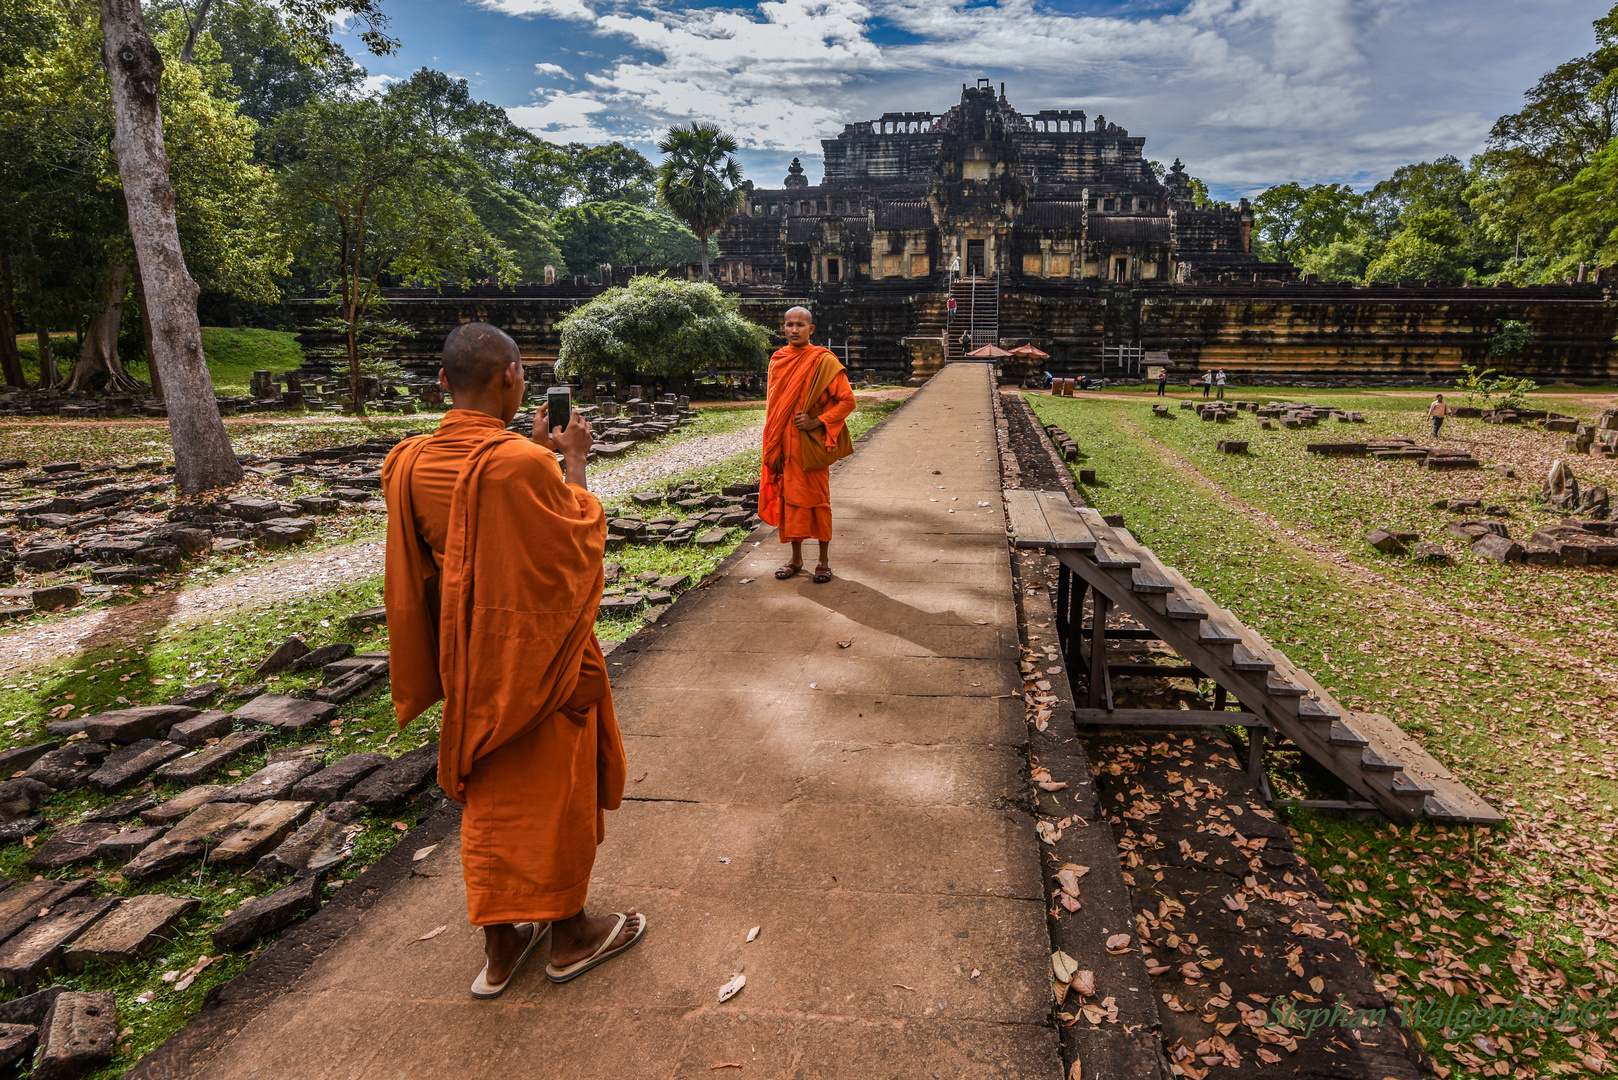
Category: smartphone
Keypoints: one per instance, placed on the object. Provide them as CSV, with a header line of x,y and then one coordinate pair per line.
x,y
559,407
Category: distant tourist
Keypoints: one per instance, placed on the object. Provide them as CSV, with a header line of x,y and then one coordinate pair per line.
x,y
1438,410
1220,381
1207,382
966,343
807,402
494,554
1162,381
1049,379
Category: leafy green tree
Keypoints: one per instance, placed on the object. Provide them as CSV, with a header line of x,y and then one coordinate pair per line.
x,y
368,192
660,326
556,176
1291,219
1510,339
623,235
699,181
1340,260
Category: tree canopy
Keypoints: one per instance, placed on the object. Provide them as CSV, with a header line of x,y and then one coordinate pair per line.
x,y
622,234
660,326
699,181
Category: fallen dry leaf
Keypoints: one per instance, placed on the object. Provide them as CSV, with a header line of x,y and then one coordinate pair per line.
x,y
1118,943
727,1064
642,776
189,976
1064,967
422,853
147,998
732,988
1048,832
1317,984
1085,983
434,932
401,826
753,933
844,644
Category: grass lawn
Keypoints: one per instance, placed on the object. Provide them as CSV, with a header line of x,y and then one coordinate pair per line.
x,y
1504,673
233,355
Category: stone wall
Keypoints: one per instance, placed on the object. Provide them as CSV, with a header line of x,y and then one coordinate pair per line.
x,y
1260,333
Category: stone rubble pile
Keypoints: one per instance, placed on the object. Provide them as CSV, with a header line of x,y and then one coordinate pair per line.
x,y
687,513
617,429
285,829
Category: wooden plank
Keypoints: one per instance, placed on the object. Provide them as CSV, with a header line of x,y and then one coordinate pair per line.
x,y
1182,606
1245,660
1451,800
1277,684
1066,526
1028,519
1217,630
1109,553
1167,718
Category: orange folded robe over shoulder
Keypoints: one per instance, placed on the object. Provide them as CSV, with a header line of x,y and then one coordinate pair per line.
x,y
797,501
494,575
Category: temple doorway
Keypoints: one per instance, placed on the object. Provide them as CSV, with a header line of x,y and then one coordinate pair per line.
x,y
974,258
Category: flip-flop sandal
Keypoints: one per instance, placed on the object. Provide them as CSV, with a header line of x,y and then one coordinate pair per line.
x,y
787,571
601,955
483,989
822,575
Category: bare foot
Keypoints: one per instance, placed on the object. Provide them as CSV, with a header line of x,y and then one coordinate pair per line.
x,y
502,946
580,937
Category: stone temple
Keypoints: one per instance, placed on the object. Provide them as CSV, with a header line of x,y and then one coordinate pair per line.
x,y
931,234
1050,196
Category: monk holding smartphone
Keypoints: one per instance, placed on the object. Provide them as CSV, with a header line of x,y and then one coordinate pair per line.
x,y
494,575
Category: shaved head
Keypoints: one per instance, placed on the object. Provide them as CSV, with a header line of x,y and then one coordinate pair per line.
x,y
800,310
475,354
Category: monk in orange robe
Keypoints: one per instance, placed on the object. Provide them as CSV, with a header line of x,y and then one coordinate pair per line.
x,y
808,396
494,574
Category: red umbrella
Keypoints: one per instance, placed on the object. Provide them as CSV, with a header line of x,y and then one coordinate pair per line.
x,y
989,351
1031,352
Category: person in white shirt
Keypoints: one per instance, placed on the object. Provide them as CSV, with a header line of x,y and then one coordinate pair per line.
x,y
1438,410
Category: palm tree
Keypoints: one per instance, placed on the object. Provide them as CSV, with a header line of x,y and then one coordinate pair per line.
x,y
699,181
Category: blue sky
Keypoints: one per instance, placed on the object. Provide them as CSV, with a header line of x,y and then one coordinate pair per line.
x,y
1247,92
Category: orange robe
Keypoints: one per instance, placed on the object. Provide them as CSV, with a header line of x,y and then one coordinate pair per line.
x,y
494,575
797,501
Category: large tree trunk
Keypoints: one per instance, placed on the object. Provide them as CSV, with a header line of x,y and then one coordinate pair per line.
x,y
99,350
10,361
146,335
202,455
703,239
48,375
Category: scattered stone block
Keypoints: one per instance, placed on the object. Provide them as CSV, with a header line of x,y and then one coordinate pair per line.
x,y
1468,531
125,844
167,813
1501,549
229,545
254,509
321,844
710,538
281,659
13,832
285,713
257,831
22,903
128,766
1232,446
78,1035
369,617
197,697
69,845
133,928
1541,555
55,597
123,809
352,683
204,764
196,731
47,556
1385,542
1338,449
269,914
391,786
67,767
35,951
1087,476
318,504
330,784
321,656
187,841
133,725
274,781
192,542
20,757
22,795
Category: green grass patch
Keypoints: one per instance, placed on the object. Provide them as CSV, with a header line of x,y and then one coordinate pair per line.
x,y
1459,657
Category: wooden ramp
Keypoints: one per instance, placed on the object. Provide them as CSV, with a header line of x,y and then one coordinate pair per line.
x,y
1368,752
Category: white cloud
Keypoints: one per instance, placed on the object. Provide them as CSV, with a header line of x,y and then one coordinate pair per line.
x,y
372,85
553,69
575,10
563,117
1247,92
